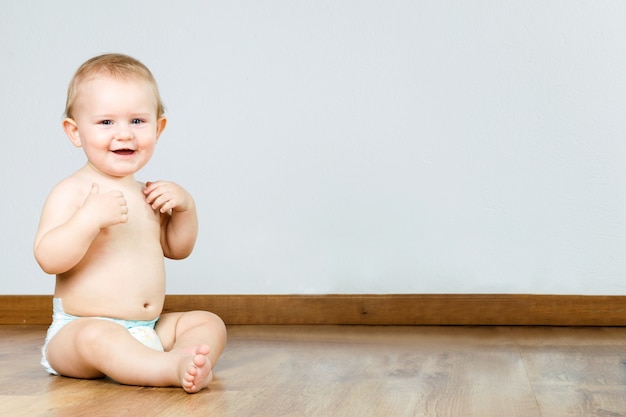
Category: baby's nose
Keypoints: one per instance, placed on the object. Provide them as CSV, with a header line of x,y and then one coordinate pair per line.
x,y
124,133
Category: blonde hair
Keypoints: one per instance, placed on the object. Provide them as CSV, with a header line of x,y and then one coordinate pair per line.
x,y
114,65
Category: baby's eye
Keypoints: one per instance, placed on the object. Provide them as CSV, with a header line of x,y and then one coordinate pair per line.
x,y
106,122
137,121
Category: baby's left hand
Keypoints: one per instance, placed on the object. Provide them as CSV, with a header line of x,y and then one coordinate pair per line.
x,y
165,196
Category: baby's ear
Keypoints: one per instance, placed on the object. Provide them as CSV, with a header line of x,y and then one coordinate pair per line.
x,y
161,123
71,130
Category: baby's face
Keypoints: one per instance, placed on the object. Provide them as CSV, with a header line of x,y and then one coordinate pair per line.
x,y
117,124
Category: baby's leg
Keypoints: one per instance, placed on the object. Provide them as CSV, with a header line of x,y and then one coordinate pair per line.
x,y
92,348
194,331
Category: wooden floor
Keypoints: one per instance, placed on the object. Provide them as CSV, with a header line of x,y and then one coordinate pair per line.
x,y
353,371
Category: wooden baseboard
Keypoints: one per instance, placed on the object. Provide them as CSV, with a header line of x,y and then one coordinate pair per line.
x,y
396,309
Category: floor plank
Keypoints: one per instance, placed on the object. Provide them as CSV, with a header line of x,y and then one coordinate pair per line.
x,y
353,371
576,371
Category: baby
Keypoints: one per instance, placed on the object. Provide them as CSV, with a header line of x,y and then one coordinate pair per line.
x,y
104,235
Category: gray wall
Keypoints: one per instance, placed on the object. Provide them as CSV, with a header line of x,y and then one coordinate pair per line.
x,y
348,146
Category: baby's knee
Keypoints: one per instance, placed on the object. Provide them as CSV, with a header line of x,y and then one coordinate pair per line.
x,y
209,319
211,322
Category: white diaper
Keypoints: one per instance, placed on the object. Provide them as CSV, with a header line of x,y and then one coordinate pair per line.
x,y
142,330
148,336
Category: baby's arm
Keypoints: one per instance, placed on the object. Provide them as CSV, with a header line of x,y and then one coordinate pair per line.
x,y
68,226
179,220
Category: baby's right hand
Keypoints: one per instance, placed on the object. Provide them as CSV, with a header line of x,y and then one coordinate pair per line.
x,y
107,209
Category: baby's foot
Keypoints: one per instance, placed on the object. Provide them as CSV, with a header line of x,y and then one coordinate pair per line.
x,y
197,374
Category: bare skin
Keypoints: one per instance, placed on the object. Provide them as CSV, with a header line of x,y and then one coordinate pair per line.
x,y
105,235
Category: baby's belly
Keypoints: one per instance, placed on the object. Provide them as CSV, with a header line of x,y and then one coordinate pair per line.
x,y
128,290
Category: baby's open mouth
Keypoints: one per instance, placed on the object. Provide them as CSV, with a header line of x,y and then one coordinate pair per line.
x,y
124,151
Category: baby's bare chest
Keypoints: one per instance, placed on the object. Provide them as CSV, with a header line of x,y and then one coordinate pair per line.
x,y
142,225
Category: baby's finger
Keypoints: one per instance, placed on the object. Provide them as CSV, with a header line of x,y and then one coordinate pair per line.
x,y
167,207
160,202
154,197
151,186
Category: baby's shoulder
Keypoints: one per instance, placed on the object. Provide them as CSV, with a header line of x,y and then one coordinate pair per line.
x,y
69,190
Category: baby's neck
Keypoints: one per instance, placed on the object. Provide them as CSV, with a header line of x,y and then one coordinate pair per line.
x,y
98,175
